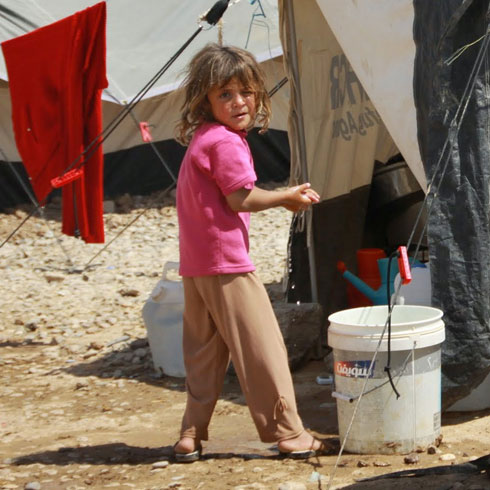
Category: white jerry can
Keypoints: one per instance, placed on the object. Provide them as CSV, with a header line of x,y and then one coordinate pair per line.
x,y
419,290
162,315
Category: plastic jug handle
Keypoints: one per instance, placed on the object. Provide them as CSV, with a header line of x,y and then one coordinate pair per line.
x,y
169,266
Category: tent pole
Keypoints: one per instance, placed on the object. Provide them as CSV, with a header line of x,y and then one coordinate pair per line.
x,y
298,114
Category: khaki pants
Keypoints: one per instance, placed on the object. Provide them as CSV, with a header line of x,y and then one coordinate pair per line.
x,y
231,315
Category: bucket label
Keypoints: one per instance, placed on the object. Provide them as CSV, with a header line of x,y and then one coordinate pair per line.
x,y
354,369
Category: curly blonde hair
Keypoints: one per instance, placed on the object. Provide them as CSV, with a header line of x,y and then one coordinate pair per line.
x,y
216,65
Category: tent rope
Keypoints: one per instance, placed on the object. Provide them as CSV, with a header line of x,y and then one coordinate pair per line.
x,y
461,50
153,146
453,131
220,32
99,139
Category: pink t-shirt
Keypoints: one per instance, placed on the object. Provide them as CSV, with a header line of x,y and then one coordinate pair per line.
x,y
213,238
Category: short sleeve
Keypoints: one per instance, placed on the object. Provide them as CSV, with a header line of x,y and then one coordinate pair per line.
x,y
232,165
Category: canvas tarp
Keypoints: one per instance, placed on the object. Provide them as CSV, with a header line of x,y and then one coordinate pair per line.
x,y
344,135
381,52
341,122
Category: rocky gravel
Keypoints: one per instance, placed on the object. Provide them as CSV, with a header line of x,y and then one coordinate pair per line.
x,y
82,406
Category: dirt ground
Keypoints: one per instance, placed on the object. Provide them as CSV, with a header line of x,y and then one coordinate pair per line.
x,y
83,408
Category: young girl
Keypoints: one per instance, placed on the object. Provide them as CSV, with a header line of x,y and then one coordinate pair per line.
x,y
227,310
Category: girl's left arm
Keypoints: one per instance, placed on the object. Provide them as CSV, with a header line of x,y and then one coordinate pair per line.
x,y
294,199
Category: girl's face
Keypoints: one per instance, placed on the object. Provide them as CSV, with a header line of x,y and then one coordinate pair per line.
x,y
233,105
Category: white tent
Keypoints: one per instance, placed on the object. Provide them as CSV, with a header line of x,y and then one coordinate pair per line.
x,y
141,38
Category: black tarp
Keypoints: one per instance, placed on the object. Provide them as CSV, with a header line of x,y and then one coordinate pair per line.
x,y
458,231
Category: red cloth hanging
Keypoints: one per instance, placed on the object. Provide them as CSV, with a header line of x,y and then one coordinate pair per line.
x,y
56,76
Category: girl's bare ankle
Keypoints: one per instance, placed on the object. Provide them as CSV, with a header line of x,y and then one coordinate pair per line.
x,y
186,445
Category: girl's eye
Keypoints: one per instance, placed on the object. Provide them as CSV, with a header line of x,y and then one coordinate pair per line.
x,y
224,95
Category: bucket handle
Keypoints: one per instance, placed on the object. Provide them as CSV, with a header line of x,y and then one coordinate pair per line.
x,y
169,266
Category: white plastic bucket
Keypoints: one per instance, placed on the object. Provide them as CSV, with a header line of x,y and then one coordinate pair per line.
x,y
383,423
162,314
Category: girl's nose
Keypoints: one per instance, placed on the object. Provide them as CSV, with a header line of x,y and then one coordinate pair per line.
x,y
238,100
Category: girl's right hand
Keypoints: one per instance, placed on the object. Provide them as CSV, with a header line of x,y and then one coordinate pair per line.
x,y
300,198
